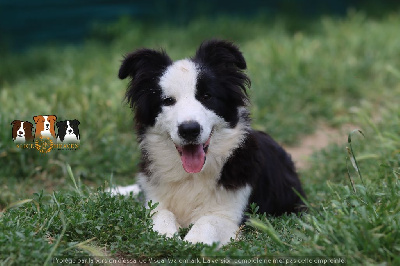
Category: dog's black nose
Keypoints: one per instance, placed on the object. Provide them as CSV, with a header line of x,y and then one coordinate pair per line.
x,y
189,130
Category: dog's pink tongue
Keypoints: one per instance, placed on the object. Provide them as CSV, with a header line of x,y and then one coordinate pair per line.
x,y
193,158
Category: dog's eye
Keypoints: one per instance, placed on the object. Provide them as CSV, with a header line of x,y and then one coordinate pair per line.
x,y
206,96
168,101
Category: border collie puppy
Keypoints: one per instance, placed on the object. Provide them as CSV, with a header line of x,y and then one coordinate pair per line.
x,y
201,161
68,131
45,125
22,131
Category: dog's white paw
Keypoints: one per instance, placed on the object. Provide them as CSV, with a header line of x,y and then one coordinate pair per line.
x,y
206,234
164,222
212,229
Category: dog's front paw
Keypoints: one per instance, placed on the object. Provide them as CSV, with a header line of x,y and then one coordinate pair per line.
x,y
206,234
212,229
164,222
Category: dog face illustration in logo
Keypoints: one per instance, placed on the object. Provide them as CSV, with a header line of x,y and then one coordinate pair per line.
x,y
21,131
45,126
68,131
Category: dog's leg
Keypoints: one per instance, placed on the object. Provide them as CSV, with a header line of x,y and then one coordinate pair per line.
x,y
135,189
211,228
164,222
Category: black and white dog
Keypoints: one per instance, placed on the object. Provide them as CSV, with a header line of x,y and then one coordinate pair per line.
x,y
68,131
200,159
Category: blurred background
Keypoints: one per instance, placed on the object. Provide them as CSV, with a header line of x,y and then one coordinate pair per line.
x,y
24,24
311,62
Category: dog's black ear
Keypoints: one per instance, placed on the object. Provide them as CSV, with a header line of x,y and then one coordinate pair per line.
x,y
58,124
143,59
143,66
217,53
75,122
227,62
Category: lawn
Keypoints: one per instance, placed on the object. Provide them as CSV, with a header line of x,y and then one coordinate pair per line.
x,y
330,70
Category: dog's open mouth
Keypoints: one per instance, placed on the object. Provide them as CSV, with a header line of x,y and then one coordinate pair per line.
x,y
193,156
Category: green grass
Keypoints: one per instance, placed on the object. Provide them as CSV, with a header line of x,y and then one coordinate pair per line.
x,y
331,70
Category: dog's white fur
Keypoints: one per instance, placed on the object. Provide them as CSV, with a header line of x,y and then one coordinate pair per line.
x,y
46,127
179,82
20,138
215,212
125,190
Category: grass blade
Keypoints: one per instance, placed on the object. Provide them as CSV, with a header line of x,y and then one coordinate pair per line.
x,y
17,204
92,250
351,154
348,171
53,250
71,175
80,244
268,229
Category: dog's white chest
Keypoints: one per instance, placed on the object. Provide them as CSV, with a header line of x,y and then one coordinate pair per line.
x,y
19,139
195,197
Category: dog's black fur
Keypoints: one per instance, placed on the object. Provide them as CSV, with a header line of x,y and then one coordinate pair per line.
x,y
62,128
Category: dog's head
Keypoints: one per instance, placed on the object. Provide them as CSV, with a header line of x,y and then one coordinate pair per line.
x,y
188,99
73,128
22,130
17,129
68,128
45,125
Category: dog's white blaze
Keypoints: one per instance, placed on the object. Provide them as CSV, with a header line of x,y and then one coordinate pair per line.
x,y
179,82
20,138
69,130
46,127
21,129
46,123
